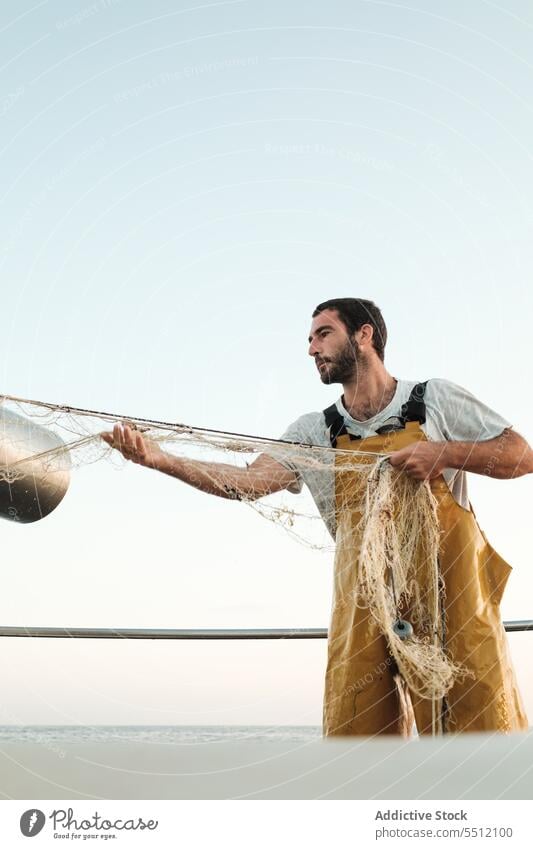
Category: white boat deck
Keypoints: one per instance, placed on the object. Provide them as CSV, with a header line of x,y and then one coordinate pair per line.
x,y
469,766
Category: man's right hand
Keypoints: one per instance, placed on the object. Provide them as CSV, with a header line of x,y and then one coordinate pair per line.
x,y
134,446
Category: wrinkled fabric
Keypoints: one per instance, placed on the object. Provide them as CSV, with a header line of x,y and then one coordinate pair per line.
x,y
364,694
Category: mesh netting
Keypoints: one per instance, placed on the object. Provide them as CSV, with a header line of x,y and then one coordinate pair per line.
x,y
44,442
393,523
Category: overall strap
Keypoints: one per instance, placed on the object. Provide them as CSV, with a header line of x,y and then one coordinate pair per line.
x,y
336,426
414,410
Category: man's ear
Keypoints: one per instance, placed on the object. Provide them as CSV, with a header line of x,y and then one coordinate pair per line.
x,y
366,334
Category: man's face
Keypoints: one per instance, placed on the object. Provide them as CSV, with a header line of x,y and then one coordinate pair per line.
x,y
336,355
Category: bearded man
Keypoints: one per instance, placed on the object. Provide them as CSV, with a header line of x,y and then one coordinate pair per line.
x,y
432,430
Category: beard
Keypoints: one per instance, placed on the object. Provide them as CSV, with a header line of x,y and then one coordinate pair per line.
x,y
343,366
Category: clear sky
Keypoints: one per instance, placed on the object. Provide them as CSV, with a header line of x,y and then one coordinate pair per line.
x,y
181,185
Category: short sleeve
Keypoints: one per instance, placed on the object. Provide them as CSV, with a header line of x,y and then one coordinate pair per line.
x,y
294,433
462,416
300,432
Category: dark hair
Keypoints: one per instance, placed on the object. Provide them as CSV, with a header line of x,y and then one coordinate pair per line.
x,y
354,312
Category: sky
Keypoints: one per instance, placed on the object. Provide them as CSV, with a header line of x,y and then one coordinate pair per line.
x,y
181,185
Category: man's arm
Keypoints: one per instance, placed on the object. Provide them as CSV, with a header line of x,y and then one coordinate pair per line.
x,y
263,477
506,456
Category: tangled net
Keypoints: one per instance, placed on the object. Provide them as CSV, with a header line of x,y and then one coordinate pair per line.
x,y
45,442
399,571
397,533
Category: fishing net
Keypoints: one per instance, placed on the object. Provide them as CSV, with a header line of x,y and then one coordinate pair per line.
x,y
398,569
41,444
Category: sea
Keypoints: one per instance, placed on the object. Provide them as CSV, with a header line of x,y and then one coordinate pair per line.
x,y
181,734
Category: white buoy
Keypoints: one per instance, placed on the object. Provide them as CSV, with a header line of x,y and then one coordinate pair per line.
x,y
32,483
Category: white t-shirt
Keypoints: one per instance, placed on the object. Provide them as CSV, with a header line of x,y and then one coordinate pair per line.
x,y
452,413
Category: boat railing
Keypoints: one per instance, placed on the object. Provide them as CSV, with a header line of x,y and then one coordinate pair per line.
x,y
195,633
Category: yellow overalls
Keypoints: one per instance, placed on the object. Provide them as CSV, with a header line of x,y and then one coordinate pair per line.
x,y
361,696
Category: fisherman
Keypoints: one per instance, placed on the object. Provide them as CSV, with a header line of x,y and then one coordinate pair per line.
x,y
432,430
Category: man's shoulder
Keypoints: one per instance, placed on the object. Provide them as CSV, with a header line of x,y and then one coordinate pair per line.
x,y
309,420
442,389
433,385
442,397
309,427
461,415
452,407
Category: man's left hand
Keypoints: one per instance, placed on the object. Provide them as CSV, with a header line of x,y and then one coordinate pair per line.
x,y
422,461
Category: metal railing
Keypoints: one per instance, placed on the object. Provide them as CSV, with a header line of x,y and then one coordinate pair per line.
x,y
196,633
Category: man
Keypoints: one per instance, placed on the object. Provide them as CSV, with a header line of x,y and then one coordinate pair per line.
x,y
434,431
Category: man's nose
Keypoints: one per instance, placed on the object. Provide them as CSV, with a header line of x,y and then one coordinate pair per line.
x,y
313,349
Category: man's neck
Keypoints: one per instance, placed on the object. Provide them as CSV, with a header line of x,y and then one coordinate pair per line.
x,y
368,393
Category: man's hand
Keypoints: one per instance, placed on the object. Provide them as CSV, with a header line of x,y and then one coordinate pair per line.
x,y
506,456
134,446
422,460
